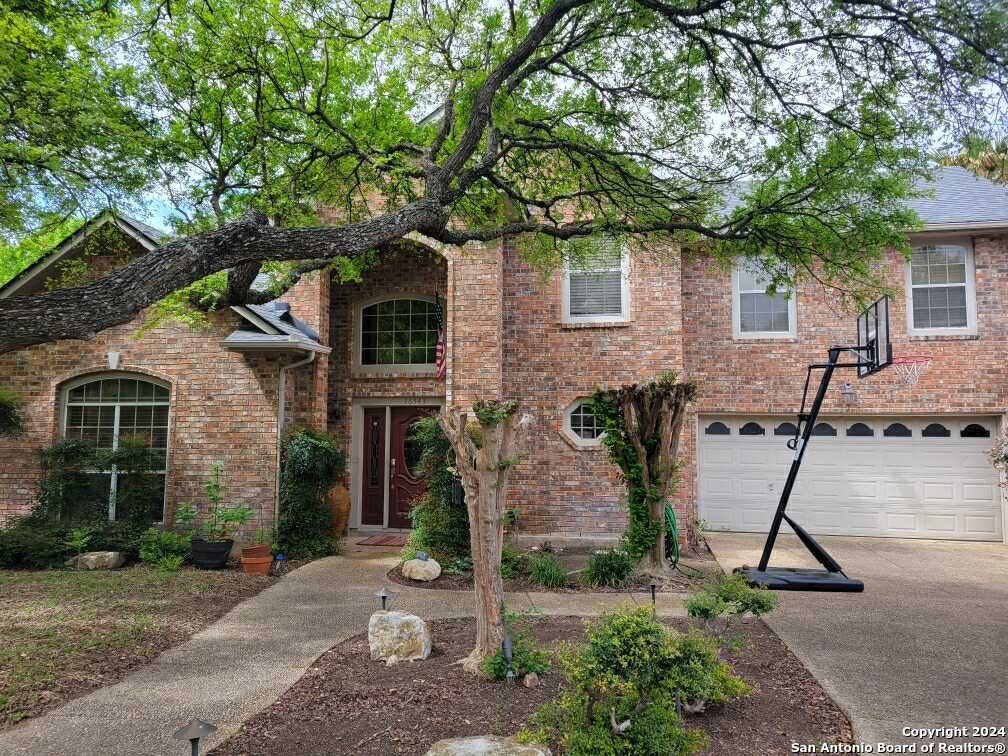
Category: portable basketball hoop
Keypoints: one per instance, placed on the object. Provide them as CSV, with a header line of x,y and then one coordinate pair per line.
x,y
911,367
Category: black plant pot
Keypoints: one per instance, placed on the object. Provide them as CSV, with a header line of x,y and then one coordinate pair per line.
x,y
210,555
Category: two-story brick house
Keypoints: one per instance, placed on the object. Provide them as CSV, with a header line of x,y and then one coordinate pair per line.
x,y
358,359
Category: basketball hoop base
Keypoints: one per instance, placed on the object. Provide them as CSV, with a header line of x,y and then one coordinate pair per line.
x,y
911,367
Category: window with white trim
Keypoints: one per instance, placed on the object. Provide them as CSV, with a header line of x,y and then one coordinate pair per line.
x,y
941,289
104,410
399,332
755,312
595,286
581,425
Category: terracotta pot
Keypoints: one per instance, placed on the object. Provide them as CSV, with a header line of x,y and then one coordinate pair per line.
x,y
338,498
256,565
257,551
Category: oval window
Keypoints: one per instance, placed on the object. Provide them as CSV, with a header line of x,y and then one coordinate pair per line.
x,y
824,429
859,429
752,429
413,452
974,430
936,430
717,429
897,430
785,429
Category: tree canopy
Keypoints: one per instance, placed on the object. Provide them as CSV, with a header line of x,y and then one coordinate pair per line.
x,y
309,134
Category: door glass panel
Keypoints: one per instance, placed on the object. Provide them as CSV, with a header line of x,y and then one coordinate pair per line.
x,y
412,451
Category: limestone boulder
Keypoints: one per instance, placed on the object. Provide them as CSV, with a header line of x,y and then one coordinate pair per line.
x,y
486,744
421,569
97,560
398,636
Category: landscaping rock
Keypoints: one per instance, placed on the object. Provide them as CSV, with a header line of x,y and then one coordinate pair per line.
x,y
97,560
486,744
530,680
398,636
420,569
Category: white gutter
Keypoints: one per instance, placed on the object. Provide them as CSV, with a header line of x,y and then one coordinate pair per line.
x,y
281,411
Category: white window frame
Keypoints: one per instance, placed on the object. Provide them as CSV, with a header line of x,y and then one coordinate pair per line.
x,y
737,331
624,314
429,368
93,377
568,431
970,329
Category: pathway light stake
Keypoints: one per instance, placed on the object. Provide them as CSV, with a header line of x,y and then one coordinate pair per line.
x,y
507,649
654,602
423,556
194,732
386,596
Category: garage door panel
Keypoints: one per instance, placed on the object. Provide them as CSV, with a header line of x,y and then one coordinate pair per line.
x,y
928,487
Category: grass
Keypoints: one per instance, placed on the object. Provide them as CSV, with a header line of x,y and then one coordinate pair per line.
x,y
65,632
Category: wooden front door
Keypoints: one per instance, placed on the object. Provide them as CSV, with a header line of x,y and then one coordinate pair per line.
x,y
373,472
404,454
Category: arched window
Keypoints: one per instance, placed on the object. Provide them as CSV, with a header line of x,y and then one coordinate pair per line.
x,y
859,429
897,430
823,429
785,429
974,430
399,332
752,429
936,430
104,411
717,429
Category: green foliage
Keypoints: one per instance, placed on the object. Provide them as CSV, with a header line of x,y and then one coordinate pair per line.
x,y
11,420
513,563
493,412
461,566
171,562
157,544
311,464
222,522
705,605
543,569
647,485
119,535
731,597
611,567
139,496
32,543
65,489
630,675
78,539
526,657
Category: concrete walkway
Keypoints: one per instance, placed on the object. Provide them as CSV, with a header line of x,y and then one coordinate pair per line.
x,y
248,658
926,644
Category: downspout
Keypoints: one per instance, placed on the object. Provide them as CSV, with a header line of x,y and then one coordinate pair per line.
x,y
281,411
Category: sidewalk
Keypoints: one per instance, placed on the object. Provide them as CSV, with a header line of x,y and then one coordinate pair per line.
x,y
245,660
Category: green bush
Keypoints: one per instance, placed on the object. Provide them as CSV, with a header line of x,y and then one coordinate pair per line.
x,y
731,597
633,671
32,543
11,419
139,493
311,464
118,535
545,570
66,490
705,605
525,657
171,562
440,526
156,544
611,567
513,563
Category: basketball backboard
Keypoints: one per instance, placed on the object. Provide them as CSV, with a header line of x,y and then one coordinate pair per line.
x,y
874,347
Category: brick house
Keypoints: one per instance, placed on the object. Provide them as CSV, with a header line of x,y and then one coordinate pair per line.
x,y
357,359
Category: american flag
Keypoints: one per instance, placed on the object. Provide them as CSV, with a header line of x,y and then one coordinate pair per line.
x,y
439,356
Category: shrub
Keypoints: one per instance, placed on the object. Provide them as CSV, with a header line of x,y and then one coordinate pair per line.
x,y
32,543
440,524
512,563
139,494
611,567
461,566
705,605
731,598
627,680
525,657
156,544
66,491
171,562
118,535
545,570
311,464
11,420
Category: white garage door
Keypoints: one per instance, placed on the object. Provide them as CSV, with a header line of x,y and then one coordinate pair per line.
x,y
899,477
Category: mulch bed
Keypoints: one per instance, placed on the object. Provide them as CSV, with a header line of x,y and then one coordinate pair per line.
x,y
347,704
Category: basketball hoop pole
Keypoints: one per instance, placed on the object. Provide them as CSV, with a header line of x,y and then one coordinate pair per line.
x,y
806,424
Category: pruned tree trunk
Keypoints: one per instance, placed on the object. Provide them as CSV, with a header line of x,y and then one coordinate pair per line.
x,y
483,457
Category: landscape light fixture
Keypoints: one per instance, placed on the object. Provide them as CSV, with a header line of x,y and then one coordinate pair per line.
x,y
385,596
507,649
423,556
654,601
196,730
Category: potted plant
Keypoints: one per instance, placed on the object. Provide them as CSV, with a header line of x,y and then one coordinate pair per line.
x,y
257,558
211,550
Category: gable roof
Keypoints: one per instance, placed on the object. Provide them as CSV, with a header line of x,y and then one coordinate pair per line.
x,y
275,329
146,235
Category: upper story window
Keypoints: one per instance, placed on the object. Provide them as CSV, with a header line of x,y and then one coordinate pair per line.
x,y
595,288
757,314
104,411
399,332
941,288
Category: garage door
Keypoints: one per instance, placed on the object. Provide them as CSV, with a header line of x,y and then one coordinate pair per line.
x,y
899,477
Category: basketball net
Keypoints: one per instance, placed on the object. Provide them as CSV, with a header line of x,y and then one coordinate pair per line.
x,y
911,367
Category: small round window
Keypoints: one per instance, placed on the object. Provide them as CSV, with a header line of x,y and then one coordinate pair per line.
x,y
584,424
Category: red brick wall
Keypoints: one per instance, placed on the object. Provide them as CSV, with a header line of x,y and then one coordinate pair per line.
x,y
307,404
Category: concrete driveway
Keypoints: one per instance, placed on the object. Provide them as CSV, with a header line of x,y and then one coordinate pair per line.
x,y
925,645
